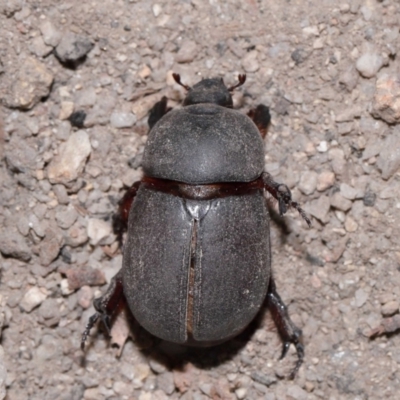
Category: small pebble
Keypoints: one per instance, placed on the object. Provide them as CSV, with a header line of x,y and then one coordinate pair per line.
x,y
350,225
98,231
389,157
386,104
339,202
122,120
66,216
157,9
323,146
84,276
32,298
295,392
157,367
325,180
165,382
32,83
51,35
369,64
361,296
348,191
141,371
39,47
187,52
337,160
308,182
14,245
390,308
249,62
319,208
73,47
68,165
241,393
349,78
85,297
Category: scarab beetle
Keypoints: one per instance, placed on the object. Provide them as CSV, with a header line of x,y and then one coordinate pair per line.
x,y
197,258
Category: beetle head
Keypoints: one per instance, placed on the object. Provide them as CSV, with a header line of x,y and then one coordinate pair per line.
x,y
212,91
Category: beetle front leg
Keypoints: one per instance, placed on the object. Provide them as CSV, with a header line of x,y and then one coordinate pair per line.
x,y
157,112
284,196
261,117
106,306
288,331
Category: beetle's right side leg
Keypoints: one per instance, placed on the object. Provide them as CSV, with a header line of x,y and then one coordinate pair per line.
x,y
284,196
106,306
261,117
288,331
157,112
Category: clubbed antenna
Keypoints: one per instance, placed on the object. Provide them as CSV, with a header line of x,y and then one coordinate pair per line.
x,y
177,78
242,80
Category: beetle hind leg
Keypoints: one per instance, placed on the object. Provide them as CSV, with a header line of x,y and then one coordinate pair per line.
x,y
288,331
106,306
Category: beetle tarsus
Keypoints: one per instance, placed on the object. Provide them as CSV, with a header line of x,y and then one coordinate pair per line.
x,y
288,331
92,320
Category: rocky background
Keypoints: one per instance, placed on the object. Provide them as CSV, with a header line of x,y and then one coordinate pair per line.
x,y
77,80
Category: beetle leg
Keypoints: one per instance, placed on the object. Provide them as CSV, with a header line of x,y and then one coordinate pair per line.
x,y
157,112
284,196
288,331
120,219
261,117
106,306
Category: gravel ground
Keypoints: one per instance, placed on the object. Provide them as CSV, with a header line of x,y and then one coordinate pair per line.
x,y
77,80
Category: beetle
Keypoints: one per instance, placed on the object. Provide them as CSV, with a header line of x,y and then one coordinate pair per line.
x,y
197,258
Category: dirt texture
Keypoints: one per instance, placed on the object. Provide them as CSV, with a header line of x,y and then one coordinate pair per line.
x,y
77,79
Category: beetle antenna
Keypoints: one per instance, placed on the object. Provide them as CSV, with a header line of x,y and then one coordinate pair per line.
x,y
177,78
242,80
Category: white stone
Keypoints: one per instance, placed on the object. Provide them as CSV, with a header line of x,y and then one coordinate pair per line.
x,y
369,64
69,164
32,298
157,10
122,119
97,230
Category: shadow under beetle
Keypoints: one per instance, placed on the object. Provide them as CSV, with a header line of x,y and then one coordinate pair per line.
x,y
197,258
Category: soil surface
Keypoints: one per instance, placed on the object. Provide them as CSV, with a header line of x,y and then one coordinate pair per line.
x,y
77,80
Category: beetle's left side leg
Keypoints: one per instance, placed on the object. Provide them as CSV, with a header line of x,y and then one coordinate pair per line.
x,y
288,331
284,196
120,219
261,117
106,306
157,112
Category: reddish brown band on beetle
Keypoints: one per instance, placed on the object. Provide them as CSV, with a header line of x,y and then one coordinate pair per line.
x,y
202,192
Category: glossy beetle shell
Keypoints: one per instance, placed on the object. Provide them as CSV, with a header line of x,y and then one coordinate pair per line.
x,y
197,271
231,263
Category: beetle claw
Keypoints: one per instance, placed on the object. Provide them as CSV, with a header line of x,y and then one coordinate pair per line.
x,y
285,349
300,354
